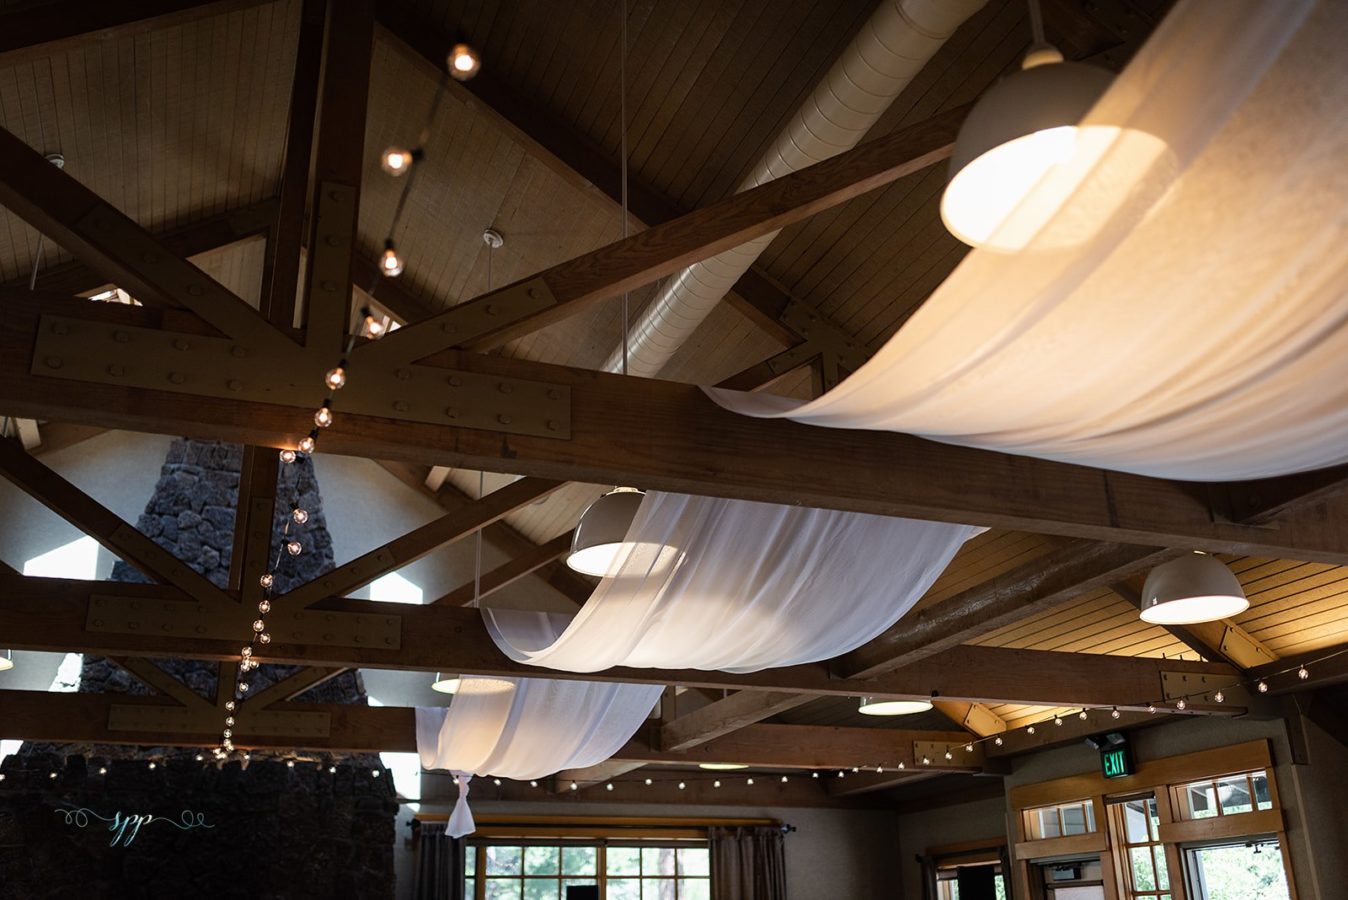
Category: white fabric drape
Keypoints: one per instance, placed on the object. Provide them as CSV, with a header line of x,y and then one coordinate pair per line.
x,y
525,728
1194,326
706,583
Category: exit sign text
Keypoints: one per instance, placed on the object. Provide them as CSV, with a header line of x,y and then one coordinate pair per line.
x,y
1116,762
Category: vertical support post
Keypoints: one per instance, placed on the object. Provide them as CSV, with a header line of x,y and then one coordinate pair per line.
x,y
253,522
338,157
281,267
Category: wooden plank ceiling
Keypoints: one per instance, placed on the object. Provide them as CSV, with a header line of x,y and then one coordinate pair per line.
x,y
178,123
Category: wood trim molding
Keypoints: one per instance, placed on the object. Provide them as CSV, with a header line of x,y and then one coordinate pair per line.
x,y
1262,821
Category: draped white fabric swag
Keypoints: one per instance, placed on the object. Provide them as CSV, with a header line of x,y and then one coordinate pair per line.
x,y
1194,327
705,583
525,728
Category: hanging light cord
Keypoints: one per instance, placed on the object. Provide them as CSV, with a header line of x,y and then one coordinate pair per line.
x,y
1037,25
622,115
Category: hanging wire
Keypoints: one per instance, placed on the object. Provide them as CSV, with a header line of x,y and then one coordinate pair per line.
x,y
1037,25
622,131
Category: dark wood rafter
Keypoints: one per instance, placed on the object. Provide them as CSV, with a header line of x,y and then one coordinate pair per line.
x,y
508,573
415,544
81,616
344,88
281,266
162,682
636,431
31,28
104,526
253,517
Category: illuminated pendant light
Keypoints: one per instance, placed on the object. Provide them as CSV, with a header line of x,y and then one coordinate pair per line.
x,y
446,684
603,526
1015,135
1194,588
873,707
721,767
601,531
7,661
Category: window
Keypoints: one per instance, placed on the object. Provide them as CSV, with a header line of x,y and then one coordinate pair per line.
x,y
77,559
1245,871
1135,826
1060,821
948,888
623,870
1225,796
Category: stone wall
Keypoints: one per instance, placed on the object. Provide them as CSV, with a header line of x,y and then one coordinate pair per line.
x,y
279,830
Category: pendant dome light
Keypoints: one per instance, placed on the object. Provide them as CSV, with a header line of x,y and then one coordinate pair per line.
x,y
1194,588
870,706
603,526
446,684
7,660
1017,133
721,767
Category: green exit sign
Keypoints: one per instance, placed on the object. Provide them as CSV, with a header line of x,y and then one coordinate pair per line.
x,y
1116,762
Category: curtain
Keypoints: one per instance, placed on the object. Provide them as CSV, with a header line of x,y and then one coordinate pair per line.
x,y
1177,302
440,865
747,863
707,583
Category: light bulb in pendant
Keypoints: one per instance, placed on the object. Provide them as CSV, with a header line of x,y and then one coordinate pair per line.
x,y
1114,713
390,263
371,327
1151,709
323,416
246,652
1263,687
998,740
306,444
1082,715
397,160
949,755
1057,720
1303,673
230,705
336,378
294,548
1030,729
299,515
229,720
243,687
227,733
463,62
682,785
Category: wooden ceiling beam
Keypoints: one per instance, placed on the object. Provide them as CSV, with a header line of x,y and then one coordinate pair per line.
x,y
508,573
103,525
338,157
570,287
281,265
1264,501
417,543
662,436
254,515
102,236
97,617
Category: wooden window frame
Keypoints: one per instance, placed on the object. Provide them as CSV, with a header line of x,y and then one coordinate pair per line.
x,y
661,839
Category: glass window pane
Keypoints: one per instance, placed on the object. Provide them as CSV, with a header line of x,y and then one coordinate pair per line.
x,y
503,889
1202,800
657,889
504,860
1135,821
1162,873
1144,879
624,888
657,861
694,889
1073,820
470,861
623,861
1263,799
541,860
1089,809
578,860
1234,792
694,861
470,888
1044,823
541,889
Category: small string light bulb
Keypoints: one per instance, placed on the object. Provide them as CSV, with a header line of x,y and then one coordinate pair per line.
x,y
716,783
323,416
1303,673
648,782
533,784
264,606
574,786
390,263
496,781
1181,704
949,755
397,161
1114,713
263,638
1082,715
300,516
926,760
1151,708
856,769
52,776
336,377
998,740
102,770
1219,697
814,774
371,327
332,770
258,626
231,705
749,781
290,764
784,779
1263,687
267,580
243,687
969,747
200,758
229,720
903,765
1030,729
294,548
840,773
1057,720
248,651
306,444
463,62
682,785
287,456
153,765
